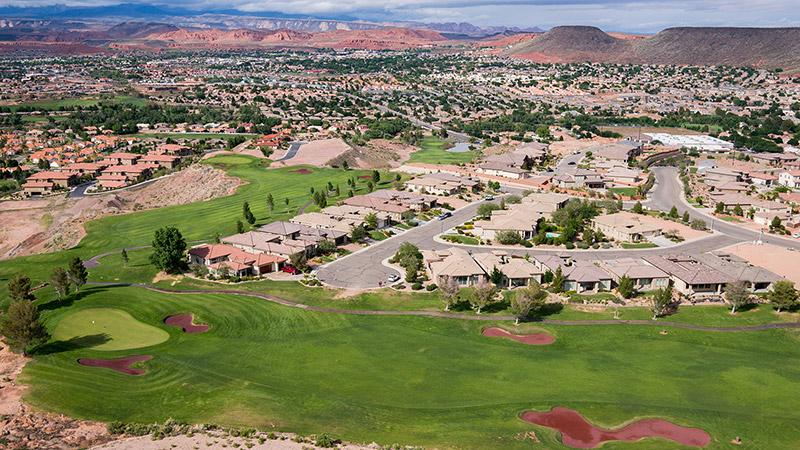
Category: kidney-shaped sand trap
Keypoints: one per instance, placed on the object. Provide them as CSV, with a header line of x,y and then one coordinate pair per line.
x,y
531,339
120,364
577,432
186,321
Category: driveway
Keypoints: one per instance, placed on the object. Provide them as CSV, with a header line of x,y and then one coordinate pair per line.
x,y
293,148
79,191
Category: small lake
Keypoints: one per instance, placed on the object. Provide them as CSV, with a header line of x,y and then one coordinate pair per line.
x,y
460,147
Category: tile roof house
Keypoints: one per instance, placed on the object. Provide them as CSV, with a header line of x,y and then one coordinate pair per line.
x,y
454,264
625,226
516,271
239,262
645,277
689,276
758,279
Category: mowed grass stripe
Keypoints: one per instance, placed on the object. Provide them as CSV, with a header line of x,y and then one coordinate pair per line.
x,y
424,381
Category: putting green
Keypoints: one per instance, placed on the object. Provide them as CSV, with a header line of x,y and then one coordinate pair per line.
x,y
107,329
229,159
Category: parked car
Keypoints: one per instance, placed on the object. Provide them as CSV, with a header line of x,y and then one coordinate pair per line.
x,y
445,215
291,270
393,277
571,163
489,198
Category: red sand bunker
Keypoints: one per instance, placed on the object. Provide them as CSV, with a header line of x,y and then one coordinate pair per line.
x,y
364,177
185,321
120,364
301,171
532,339
577,432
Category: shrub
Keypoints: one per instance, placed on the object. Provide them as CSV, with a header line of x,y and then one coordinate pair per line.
x,y
431,287
416,286
508,237
525,243
570,245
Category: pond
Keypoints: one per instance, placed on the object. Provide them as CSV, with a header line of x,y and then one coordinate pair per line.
x,y
459,147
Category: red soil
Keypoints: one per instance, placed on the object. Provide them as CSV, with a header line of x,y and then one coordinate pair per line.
x,y
302,171
532,339
364,177
120,364
185,321
577,432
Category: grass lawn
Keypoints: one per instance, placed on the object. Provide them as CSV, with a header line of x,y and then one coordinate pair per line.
x,y
461,239
627,191
731,219
107,329
627,245
419,381
56,104
432,152
198,220
377,235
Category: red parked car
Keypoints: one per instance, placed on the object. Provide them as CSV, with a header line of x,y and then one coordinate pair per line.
x,y
291,270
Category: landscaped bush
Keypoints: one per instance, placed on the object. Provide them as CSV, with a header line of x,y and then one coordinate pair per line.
x,y
431,287
508,237
525,243
570,245
416,286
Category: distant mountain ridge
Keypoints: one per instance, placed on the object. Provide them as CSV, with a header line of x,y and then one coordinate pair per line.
x,y
762,47
234,19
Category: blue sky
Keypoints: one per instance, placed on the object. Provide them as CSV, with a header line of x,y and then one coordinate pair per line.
x,y
610,15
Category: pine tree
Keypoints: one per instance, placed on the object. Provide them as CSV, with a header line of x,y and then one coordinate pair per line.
x,y
270,202
124,255
19,288
77,273
558,281
21,327
60,281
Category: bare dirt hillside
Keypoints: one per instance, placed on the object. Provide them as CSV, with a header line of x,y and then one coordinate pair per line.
x,y
376,154
45,226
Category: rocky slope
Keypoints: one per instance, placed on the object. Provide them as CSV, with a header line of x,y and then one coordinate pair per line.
x,y
764,47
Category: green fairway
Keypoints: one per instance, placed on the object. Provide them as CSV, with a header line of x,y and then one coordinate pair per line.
x,y
432,382
107,329
199,220
432,152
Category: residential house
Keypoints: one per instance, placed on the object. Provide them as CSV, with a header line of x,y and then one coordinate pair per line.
x,y
37,188
59,179
124,158
689,276
239,262
503,170
625,226
162,160
758,279
577,178
790,178
516,271
645,277
442,183
453,264
579,276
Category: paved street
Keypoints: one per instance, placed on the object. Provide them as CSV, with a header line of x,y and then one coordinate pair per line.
x,y
363,269
293,148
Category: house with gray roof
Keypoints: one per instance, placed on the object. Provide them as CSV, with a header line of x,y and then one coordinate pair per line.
x,y
690,276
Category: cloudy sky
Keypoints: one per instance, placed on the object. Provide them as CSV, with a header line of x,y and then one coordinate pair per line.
x,y
610,15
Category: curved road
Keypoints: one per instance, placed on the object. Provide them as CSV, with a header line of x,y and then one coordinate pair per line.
x,y
364,269
294,147
281,301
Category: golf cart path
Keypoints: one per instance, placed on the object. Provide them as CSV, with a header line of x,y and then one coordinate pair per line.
x,y
281,301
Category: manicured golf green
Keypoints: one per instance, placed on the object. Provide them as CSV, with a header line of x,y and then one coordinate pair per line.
x,y
230,159
107,329
432,152
429,382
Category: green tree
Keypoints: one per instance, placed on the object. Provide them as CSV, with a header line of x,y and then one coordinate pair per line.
x,y
326,246
77,273
485,209
496,276
372,221
411,273
247,214
673,212
19,288
60,281
685,217
588,236
357,233
239,227
508,237
783,295
737,210
345,166
370,186
558,280
625,287
775,224
660,301
124,255
169,250
321,199
736,294
298,260
376,176
481,295
270,202
21,327
720,208
698,224
528,299
448,292
637,208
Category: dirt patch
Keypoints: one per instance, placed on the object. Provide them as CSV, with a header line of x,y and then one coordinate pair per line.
x,y
219,440
186,321
530,339
773,258
577,432
122,365
569,145
318,153
377,154
303,171
163,276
